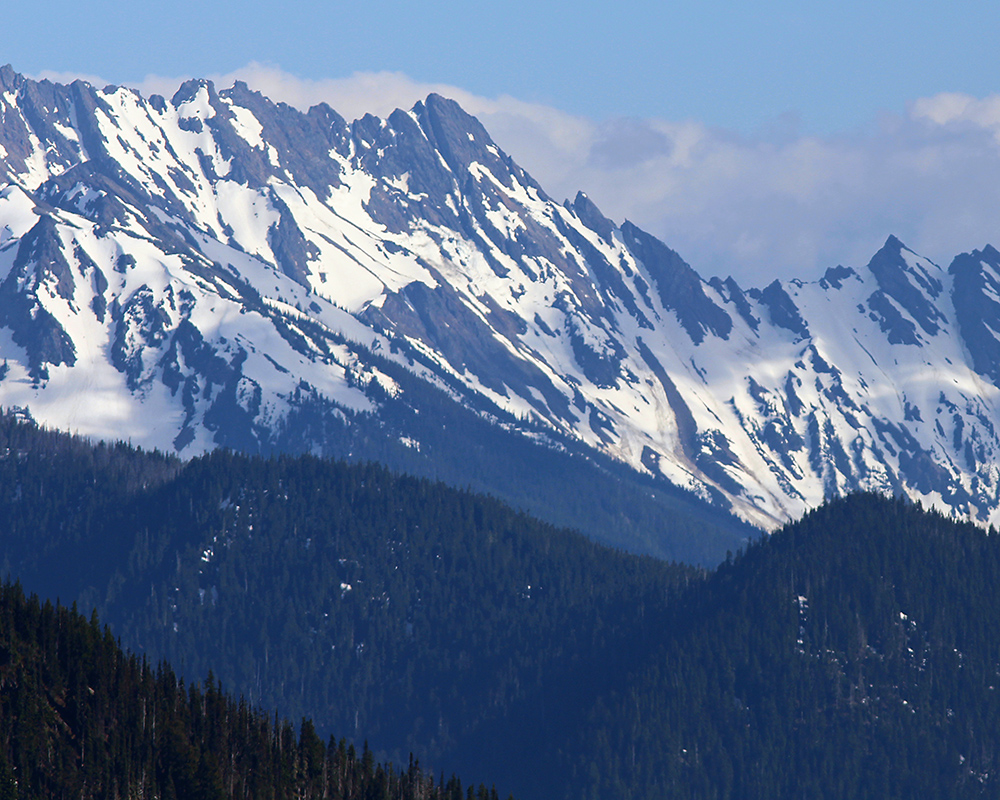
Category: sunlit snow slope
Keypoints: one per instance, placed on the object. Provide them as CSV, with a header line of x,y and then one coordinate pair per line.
x,y
212,268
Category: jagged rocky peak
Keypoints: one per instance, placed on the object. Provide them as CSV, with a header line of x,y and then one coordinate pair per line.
x,y
680,288
227,267
462,140
36,113
782,310
592,217
190,91
834,277
976,299
10,80
913,283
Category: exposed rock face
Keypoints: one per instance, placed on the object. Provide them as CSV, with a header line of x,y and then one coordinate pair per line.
x,y
215,269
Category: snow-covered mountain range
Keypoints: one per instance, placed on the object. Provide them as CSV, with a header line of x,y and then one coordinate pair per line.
x,y
214,268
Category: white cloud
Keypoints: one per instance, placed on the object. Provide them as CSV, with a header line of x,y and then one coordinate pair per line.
x,y
949,108
781,204
790,205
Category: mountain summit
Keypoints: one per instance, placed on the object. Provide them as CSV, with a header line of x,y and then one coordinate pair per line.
x,y
217,269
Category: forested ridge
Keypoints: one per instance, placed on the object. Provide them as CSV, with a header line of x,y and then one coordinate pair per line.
x,y
80,718
853,654
387,608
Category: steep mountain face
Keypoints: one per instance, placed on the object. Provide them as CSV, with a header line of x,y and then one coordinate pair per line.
x,y
216,269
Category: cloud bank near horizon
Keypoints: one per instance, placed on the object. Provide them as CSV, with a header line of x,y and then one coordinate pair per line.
x,y
780,204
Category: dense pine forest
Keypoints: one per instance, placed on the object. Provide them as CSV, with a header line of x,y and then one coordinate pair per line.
x,y
853,654
384,607
79,718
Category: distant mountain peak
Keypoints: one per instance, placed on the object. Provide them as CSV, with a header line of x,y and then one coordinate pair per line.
x,y
232,271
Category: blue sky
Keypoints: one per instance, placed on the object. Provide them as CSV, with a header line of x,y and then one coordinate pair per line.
x,y
756,138
738,65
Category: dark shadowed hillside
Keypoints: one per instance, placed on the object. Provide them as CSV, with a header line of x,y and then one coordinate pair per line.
x,y
80,718
852,654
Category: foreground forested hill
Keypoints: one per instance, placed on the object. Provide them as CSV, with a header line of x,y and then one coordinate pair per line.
x,y
80,718
853,654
